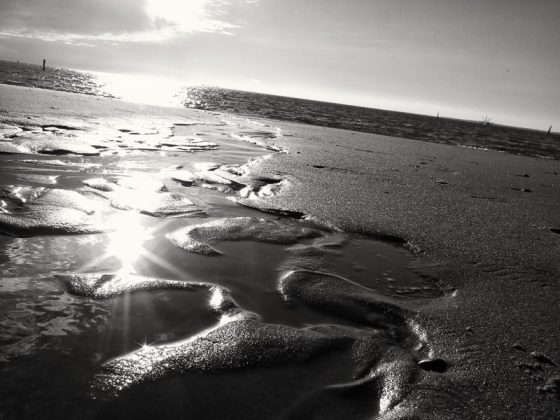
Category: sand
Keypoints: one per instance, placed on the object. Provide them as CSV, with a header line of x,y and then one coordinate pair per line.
x,y
483,227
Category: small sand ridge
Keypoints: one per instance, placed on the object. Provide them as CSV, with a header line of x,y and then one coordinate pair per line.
x,y
144,216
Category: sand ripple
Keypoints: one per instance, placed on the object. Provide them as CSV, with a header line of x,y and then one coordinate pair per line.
x,y
200,238
138,194
101,286
49,220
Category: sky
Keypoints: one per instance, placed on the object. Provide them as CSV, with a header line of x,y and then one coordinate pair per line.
x,y
462,58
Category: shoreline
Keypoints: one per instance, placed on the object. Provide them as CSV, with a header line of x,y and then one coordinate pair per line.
x,y
484,225
528,129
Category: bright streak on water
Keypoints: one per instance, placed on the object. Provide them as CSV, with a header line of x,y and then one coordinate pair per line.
x,y
150,90
127,242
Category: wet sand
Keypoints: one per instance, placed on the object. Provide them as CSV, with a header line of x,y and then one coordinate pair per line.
x,y
262,289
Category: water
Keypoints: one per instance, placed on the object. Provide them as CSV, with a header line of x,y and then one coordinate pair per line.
x,y
398,124
121,322
22,74
390,123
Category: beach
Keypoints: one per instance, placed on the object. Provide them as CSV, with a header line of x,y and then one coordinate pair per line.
x,y
175,262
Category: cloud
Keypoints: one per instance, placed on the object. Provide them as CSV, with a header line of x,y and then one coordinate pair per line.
x,y
72,16
187,16
79,21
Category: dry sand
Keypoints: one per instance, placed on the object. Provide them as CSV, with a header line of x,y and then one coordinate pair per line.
x,y
488,224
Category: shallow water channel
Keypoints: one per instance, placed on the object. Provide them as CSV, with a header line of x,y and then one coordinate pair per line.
x,y
56,340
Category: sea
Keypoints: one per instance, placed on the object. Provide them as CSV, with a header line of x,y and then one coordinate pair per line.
x,y
471,134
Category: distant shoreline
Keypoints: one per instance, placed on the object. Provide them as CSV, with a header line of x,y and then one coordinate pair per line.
x,y
466,124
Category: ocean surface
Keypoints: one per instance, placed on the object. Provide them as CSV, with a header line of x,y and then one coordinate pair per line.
x,y
22,74
474,134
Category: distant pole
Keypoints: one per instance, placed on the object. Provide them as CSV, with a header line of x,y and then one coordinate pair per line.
x,y
437,116
44,62
548,132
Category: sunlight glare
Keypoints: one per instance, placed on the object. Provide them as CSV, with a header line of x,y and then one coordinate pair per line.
x,y
151,90
127,241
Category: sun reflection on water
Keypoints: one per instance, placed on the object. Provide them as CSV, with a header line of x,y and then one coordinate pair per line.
x,y
127,242
144,89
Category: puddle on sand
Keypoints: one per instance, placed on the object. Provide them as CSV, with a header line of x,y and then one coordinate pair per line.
x,y
256,346
381,266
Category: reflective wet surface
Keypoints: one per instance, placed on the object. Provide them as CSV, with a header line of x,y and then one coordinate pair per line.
x,y
132,285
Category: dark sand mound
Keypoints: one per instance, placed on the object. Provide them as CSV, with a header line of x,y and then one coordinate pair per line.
x,y
336,294
46,144
199,238
102,286
49,220
235,344
32,211
39,196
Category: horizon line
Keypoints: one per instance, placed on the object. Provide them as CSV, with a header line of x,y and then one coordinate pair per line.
x,y
268,93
